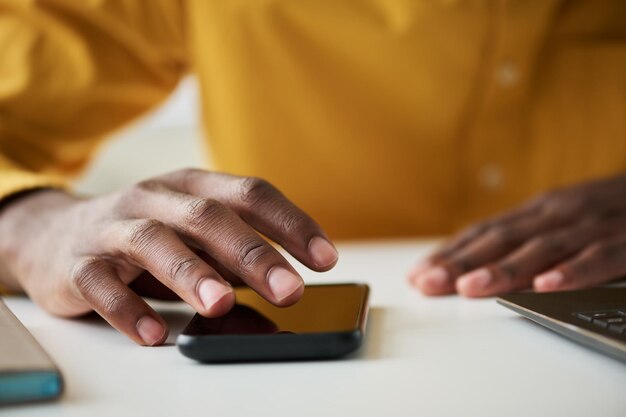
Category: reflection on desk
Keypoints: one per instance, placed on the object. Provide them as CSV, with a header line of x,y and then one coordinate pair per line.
x,y
423,357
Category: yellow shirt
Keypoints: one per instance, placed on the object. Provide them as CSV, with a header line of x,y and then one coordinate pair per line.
x,y
378,117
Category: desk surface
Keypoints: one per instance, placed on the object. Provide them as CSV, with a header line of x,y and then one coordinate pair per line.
x,y
423,357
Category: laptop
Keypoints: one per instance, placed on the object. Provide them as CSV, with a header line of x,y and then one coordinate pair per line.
x,y
595,318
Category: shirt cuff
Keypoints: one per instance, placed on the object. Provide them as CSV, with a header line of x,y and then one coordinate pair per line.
x,y
15,181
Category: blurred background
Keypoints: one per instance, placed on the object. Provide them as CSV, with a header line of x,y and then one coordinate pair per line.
x,y
171,132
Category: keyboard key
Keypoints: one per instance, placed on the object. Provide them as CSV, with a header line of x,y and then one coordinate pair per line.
x,y
604,314
618,328
585,316
612,320
596,315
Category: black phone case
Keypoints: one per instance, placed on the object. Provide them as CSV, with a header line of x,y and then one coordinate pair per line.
x,y
273,347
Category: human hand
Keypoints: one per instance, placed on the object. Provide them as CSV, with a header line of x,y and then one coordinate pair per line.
x,y
566,239
193,231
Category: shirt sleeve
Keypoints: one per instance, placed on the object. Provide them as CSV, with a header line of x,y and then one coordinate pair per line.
x,y
71,72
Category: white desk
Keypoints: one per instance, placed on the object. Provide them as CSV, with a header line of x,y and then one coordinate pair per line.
x,y
423,357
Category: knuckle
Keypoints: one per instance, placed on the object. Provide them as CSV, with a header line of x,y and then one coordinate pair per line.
x,y
562,203
293,222
546,244
187,172
85,274
252,253
597,249
187,177
146,185
546,197
126,200
251,190
142,188
200,211
143,232
536,244
476,230
501,235
183,268
113,302
552,200
550,192
479,229
607,250
554,207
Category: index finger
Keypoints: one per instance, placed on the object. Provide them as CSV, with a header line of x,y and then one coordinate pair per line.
x,y
267,210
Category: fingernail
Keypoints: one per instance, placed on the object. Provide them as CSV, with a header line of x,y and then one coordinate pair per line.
x,y
211,291
437,276
322,252
283,283
475,280
549,281
150,330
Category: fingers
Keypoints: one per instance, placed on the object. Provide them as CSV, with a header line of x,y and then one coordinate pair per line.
x,y
494,264
435,276
602,262
225,237
491,245
97,282
266,209
518,269
158,249
491,241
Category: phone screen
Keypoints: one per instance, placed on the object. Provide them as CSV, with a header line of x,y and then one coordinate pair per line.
x,y
322,309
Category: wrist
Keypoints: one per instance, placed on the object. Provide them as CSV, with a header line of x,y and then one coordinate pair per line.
x,y
22,217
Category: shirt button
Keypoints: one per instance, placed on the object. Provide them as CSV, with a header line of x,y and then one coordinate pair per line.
x,y
507,74
490,177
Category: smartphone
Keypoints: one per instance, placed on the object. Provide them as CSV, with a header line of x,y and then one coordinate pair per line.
x,y
328,322
27,374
